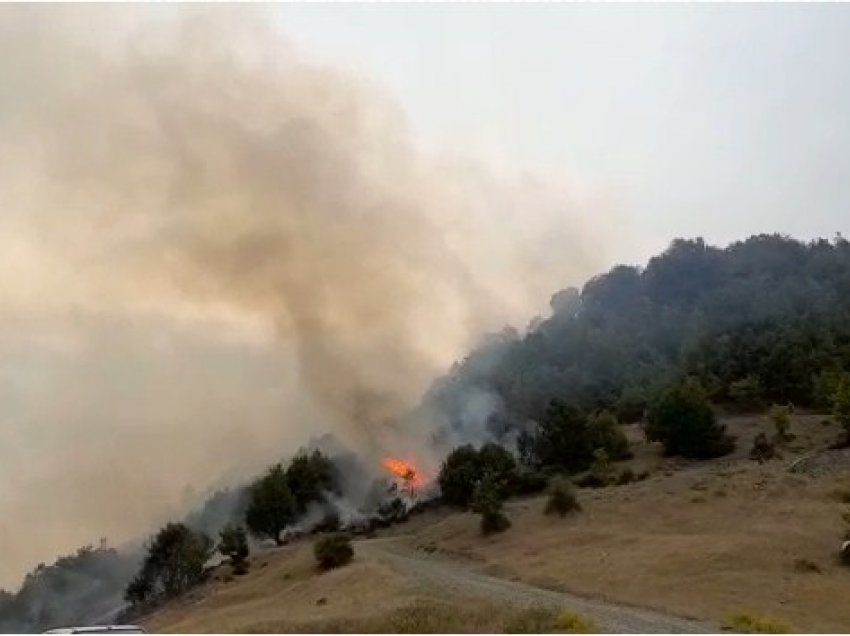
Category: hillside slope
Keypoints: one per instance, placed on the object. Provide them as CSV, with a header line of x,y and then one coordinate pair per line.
x,y
763,320
695,540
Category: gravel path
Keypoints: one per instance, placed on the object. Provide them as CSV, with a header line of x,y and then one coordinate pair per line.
x,y
451,578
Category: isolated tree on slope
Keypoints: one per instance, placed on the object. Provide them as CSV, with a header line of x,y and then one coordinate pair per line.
x,y
684,422
458,475
271,507
174,563
563,438
308,478
487,501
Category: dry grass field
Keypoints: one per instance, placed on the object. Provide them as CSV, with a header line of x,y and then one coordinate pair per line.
x,y
704,540
283,592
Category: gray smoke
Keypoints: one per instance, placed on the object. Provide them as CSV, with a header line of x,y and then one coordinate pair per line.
x,y
214,249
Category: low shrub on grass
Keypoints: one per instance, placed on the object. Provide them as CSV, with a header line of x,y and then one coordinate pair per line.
x,y
562,499
746,623
544,620
534,620
333,551
572,623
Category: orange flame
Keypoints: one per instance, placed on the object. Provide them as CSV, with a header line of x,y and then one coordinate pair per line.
x,y
405,471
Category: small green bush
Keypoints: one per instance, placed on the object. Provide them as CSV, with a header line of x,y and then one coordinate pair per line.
x,y
494,522
543,620
562,499
333,551
572,623
781,417
744,623
534,620
763,449
425,617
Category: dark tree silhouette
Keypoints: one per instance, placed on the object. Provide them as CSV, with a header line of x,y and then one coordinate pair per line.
x,y
271,505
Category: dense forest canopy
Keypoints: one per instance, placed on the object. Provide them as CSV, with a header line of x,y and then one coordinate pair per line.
x,y
763,320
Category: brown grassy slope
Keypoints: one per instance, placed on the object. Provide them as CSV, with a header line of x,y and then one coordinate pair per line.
x,y
286,589
705,540
697,539
283,592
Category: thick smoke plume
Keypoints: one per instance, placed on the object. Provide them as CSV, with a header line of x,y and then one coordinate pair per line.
x,y
213,248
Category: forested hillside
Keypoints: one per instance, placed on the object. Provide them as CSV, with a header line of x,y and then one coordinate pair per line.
x,y
763,320
86,585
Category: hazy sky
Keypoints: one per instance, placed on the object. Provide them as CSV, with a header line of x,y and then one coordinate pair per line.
x,y
713,120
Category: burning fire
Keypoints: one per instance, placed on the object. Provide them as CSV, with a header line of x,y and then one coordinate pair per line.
x,y
412,479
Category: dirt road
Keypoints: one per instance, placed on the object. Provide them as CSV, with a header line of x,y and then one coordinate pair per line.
x,y
453,579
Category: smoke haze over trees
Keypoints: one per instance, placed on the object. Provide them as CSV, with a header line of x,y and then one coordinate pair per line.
x,y
79,587
770,312
218,249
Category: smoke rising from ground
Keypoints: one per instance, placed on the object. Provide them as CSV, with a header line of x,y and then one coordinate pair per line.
x,y
213,249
